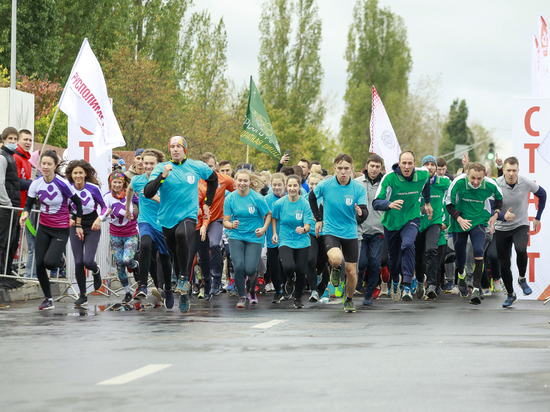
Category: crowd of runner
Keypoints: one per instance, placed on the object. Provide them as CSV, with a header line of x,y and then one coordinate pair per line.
x,y
301,233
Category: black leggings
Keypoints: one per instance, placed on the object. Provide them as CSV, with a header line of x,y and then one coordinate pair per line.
x,y
294,261
274,267
182,241
146,256
519,237
316,261
49,247
84,254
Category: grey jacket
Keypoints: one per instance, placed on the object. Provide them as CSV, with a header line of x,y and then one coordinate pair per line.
x,y
372,225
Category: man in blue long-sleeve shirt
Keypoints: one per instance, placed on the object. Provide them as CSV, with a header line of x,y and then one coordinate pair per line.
x,y
512,226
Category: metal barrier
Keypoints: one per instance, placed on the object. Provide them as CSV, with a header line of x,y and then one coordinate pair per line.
x,y
104,259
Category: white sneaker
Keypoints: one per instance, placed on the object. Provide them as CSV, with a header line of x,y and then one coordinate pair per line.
x,y
497,285
455,290
384,289
486,292
269,287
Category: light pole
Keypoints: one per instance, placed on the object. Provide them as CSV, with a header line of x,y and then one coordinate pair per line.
x,y
13,74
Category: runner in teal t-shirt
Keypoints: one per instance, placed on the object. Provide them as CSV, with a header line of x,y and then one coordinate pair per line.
x,y
291,215
345,206
150,233
247,216
399,196
278,191
177,182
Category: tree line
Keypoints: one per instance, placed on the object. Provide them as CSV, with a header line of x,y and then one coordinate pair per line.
x,y
165,65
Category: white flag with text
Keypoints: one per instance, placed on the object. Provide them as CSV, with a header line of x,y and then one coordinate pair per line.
x,y
383,140
86,101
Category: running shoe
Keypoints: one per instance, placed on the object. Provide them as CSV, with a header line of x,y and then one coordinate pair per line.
x,y
376,293
298,303
367,302
510,300
157,294
253,299
261,285
184,303
142,292
349,307
46,305
331,290
97,278
81,301
395,292
53,273
339,291
385,274
476,297
243,303
449,286
180,286
134,269
384,289
289,286
462,285
269,288
216,286
278,297
420,291
325,297
168,299
201,293
414,286
335,277
314,296
207,297
522,282
431,293
486,291
496,285
127,298
407,295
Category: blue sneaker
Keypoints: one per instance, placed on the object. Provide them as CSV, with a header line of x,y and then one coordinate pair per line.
x,y
184,303
510,300
407,294
395,292
414,286
367,301
523,284
142,292
53,273
168,299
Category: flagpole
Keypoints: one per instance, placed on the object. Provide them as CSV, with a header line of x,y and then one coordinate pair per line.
x,y
46,141
247,152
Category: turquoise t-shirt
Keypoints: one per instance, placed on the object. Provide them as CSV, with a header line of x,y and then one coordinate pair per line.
x,y
148,208
179,194
339,206
270,199
249,211
289,216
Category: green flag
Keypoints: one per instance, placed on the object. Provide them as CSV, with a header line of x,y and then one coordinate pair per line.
x,y
257,130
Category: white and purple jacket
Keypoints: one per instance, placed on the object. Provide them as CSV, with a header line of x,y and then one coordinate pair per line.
x,y
54,200
91,199
119,225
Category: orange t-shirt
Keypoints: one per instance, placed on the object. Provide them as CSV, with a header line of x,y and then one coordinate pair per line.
x,y
224,183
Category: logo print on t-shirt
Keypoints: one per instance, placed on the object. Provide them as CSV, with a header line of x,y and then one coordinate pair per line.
x,y
190,179
43,195
299,215
251,209
349,200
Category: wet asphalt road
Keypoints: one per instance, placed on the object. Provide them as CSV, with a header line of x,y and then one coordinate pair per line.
x,y
444,355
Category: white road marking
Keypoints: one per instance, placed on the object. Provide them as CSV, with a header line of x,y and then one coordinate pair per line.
x,y
268,325
132,376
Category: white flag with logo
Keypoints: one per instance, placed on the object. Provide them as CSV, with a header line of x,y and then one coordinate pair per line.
x,y
85,100
383,140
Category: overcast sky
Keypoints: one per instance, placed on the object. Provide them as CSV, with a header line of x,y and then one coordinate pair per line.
x,y
480,49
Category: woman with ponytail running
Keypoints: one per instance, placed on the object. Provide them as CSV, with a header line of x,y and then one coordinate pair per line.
x,y
53,192
84,179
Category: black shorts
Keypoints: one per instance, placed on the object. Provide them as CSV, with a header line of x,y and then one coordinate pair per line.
x,y
349,247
